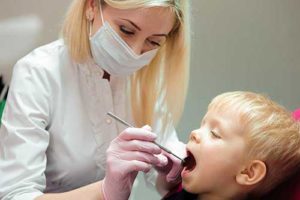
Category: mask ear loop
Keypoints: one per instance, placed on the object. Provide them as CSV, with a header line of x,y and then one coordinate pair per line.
x,y
90,16
90,28
100,6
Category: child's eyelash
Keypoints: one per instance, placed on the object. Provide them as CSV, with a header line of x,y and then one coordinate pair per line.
x,y
215,134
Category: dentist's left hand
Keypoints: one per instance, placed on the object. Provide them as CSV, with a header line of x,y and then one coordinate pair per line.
x,y
132,151
173,168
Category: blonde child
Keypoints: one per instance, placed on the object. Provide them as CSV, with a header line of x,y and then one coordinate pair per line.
x,y
245,146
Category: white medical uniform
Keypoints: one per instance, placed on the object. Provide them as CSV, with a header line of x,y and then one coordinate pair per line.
x,y
55,130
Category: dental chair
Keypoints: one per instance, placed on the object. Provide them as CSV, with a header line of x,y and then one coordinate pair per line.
x,y
290,189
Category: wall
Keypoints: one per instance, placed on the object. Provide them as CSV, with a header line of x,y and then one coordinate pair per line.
x,y
243,45
45,18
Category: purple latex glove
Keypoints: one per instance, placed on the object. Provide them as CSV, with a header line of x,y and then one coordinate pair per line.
x,y
132,151
173,168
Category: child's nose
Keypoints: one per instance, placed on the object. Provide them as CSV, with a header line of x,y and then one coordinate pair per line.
x,y
195,137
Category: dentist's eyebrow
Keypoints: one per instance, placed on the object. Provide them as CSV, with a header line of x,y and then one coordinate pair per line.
x,y
161,35
138,28
133,24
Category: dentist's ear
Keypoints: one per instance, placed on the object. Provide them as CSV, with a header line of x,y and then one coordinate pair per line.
x,y
253,173
89,14
91,9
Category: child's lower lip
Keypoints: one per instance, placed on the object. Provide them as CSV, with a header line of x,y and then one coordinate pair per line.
x,y
185,172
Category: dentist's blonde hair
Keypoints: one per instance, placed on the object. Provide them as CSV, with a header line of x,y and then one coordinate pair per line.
x,y
272,135
164,80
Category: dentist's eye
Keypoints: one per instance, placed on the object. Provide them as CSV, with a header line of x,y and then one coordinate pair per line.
x,y
125,30
215,135
154,43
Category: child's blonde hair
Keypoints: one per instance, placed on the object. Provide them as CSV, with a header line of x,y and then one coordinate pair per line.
x,y
273,136
164,80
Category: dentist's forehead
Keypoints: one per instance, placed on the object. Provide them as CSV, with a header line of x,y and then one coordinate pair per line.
x,y
155,19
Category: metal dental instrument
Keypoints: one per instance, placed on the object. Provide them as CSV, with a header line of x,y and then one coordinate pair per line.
x,y
129,125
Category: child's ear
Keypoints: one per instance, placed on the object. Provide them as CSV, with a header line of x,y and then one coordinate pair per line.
x,y
254,172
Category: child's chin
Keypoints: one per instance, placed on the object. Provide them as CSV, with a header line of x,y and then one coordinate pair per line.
x,y
185,184
188,187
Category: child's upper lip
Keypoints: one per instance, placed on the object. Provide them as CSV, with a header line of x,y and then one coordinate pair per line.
x,y
188,150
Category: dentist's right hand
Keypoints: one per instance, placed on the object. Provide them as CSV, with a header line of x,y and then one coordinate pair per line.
x,y
132,151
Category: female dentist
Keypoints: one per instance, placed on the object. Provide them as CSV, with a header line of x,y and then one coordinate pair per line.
x,y
130,57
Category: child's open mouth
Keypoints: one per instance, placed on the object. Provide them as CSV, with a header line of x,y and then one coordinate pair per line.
x,y
189,162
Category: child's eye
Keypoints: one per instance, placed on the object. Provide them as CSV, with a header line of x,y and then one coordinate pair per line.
x,y
126,30
214,134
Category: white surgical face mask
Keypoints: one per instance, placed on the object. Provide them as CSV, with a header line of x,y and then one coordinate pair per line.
x,y
112,53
